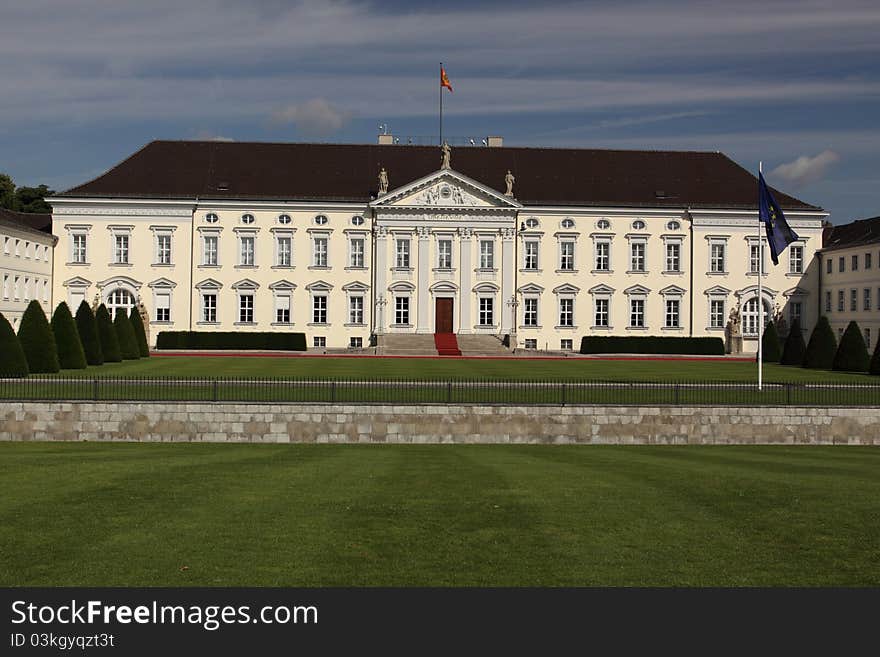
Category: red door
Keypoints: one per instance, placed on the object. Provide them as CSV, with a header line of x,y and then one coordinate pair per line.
x,y
443,315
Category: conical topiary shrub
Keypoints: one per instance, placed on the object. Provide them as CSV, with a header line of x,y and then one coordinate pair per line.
x,y
37,340
13,364
88,334
874,367
852,354
795,347
128,348
140,334
821,347
770,343
107,336
70,350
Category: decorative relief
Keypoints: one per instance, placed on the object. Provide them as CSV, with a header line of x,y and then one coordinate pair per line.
x,y
507,234
465,233
446,195
424,232
122,211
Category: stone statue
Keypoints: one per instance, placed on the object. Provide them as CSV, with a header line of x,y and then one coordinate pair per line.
x,y
733,334
447,156
145,317
96,302
734,322
383,181
779,320
509,179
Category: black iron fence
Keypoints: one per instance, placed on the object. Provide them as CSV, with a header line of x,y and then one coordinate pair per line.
x,y
271,390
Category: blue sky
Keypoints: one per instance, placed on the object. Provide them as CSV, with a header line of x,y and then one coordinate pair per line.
x,y
795,84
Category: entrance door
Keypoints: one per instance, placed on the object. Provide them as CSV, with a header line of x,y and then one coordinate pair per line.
x,y
443,315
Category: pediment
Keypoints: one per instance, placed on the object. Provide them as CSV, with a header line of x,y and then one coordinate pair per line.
x,y
530,288
120,280
77,281
637,289
601,289
282,284
717,290
322,286
673,290
445,189
209,284
796,292
245,284
356,286
163,283
566,288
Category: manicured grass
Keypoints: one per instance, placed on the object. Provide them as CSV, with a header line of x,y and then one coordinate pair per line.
x,y
88,514
470,369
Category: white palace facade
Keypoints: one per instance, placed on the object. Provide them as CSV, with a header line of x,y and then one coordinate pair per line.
x,y
350,243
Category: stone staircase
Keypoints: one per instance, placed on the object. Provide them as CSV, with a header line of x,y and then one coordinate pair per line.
x,y
406,344
481,345
446,344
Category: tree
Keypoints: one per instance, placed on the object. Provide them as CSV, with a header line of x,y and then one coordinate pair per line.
x,y
140,334
13,363
24,199
874,367
795,347
128,347
852,354
770,343
7,192
88,334
70,350
821,347
37,340
107,336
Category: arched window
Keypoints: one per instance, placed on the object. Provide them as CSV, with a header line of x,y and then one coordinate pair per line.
x,y
119,300
750,316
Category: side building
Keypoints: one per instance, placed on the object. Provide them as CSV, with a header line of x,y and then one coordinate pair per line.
x,y
26,262
850,271
347,243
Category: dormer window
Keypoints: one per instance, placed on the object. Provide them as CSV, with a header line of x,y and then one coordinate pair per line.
x,y
247,219
211,218
321,220
284,219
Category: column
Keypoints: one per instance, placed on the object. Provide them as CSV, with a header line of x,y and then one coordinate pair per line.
x,y
381,268
423,297
507,269
465,237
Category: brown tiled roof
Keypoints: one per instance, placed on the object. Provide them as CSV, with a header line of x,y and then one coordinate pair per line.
x,y
32,223
856,233
348,172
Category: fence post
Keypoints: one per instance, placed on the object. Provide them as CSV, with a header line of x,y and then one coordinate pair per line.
x,y
216,391
677,401
333,392
95,389
449,392
563,394
788,394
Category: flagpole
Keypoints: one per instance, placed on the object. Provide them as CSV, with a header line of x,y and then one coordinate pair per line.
x,y
760,295
440,89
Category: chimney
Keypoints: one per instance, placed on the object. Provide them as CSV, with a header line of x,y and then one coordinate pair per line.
x,y
385,138
494,142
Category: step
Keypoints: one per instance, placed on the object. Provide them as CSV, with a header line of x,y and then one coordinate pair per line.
x,y
481,345
446,344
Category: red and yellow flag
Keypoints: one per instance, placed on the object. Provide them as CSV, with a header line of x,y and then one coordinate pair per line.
x,y
444,81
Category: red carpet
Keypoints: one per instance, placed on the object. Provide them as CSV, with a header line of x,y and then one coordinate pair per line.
x,y
446,344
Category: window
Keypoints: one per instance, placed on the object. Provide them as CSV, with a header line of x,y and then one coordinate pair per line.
x,y
356,252
356,343
673,256
5,286
17,248
209,250
840,301
283,248
487,305
6,242
566,345
17,288
211,218
530,312
603,256
750,320
868,262
531,255
637,313
27,289
717,258
672,313
319,342
716,313
79,248
794,312
319,256
828,266
853,300
755,264
401,311
120,250
601,312
402,254
119,301
841,264
163,249
673,225
566,256
321,220
319,309
246,308
796,260
637,256
163,306
355,310
284,219
566,312
568,223
855,262
487,254
357,220
531,343
828,301
209,307
282,308
246,252
868,338
444,254
531,222
247,219
867,299
638,224
603,224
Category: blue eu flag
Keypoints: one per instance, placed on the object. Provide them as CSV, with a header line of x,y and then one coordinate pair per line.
x,y
779,234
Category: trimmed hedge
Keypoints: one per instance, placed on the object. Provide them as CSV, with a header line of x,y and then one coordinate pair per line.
x,y
770,343
852,354
107,336
13,364
140,334
637,344
795,347
821,347
231,340
37,340
874,367
88,334
70,350
128,347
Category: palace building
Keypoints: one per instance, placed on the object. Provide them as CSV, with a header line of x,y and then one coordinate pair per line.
x,y
25,262
355,244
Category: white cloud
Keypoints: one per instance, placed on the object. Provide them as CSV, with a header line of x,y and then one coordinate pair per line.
x,y
805,169
313,118
209,135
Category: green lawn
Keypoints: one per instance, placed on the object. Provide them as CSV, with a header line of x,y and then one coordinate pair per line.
x,y
87,514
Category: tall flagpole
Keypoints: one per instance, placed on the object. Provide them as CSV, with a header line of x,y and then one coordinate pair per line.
x,y
760,293
440,89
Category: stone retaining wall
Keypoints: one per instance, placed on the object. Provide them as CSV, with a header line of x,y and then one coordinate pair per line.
x,y
344,423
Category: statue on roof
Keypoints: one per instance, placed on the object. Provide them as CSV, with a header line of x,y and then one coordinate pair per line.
x,y
447,156
383,181
509,180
